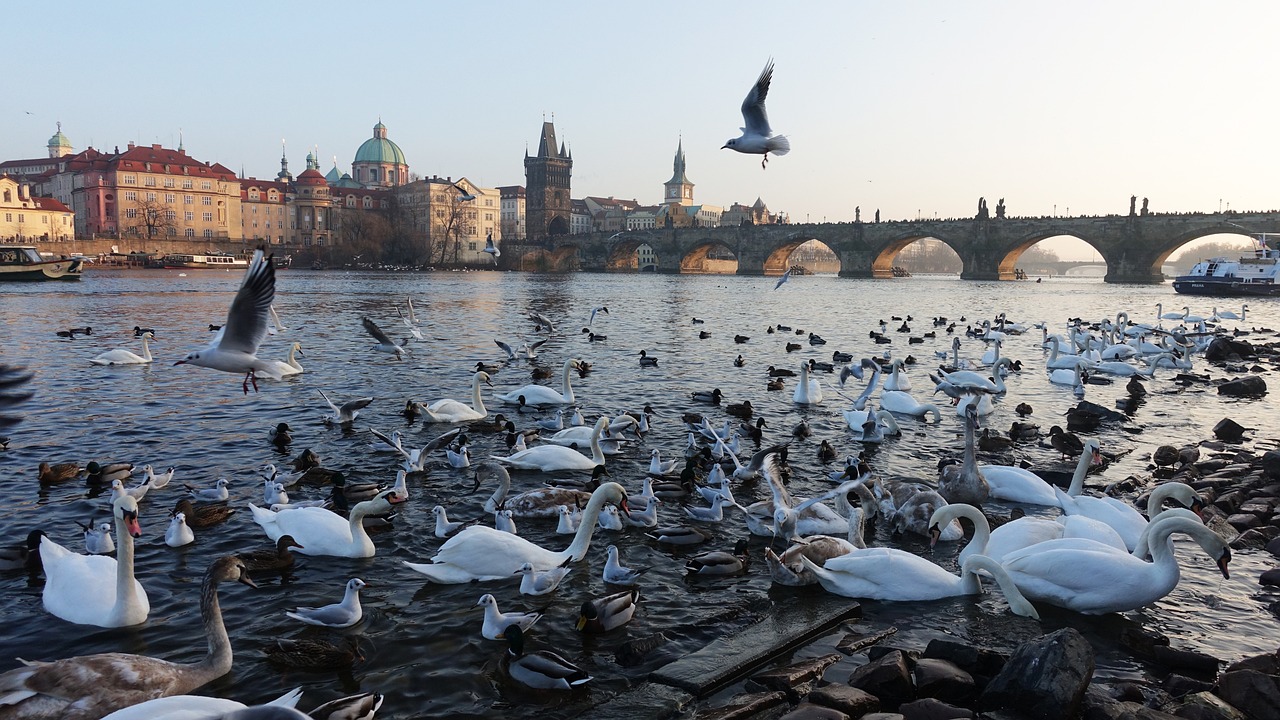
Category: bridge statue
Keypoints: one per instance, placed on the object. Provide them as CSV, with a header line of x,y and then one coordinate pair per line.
x,y
1133,201
1000,209
1144,206
857,213
877,214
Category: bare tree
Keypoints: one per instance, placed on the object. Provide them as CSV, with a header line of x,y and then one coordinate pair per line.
x,y
452,217
149,218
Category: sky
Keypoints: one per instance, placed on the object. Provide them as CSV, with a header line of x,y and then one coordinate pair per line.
x,y
913,108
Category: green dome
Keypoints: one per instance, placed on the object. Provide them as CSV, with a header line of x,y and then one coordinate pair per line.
x,y
59,140
378,149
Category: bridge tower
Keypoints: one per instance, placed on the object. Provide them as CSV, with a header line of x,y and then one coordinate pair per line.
x,y
546,178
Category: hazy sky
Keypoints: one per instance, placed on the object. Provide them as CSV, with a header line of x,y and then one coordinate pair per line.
x,y
909,107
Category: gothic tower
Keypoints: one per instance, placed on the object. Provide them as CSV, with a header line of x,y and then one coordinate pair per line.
x,y
678,189
546,178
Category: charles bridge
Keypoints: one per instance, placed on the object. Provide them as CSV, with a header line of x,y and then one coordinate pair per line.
x,y
1133,246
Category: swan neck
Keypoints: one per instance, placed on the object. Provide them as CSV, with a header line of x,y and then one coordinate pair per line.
x,y
1018,603
499,495
970,446
1155,502
146,349
566,390
360,538
126,589
218,661
856,529
586,526
477,401
1082,469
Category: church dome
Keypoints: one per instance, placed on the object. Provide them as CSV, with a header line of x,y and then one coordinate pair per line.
x,y
59,140
311,176
378,149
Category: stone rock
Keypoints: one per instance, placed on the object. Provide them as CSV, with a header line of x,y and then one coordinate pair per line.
x,y
848,700
1098,704
1255,538
853,642
1268,664
1242,521
1247,386
1228,350
786,679
973,660
943,680
879,651
1255,694
1273,547
1206,706
882,716
745,706
1142,641
635,651
1186,660
887,678
809,711
1270,463
1137,711
1181,685
1045,677
932,709
1270,577
1228,430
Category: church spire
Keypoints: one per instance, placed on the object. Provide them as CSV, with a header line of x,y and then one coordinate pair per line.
x,y
284,175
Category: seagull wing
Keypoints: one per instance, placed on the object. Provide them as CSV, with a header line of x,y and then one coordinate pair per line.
x,y
351,406
413,318
753,112
781,498
388,440
511,354
246,325
372,328
536,345
843,487
785,277
443,440
332,407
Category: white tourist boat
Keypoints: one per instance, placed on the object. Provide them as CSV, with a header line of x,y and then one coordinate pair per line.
x,y
1249,276
214,261
23,262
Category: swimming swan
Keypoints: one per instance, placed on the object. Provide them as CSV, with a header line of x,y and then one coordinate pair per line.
x,y
323,532
96,589
449,410
539,395
808,390
124,357
549,458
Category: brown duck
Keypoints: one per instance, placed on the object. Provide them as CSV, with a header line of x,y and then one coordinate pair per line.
x,y
278,559
61,472
202,516
314,654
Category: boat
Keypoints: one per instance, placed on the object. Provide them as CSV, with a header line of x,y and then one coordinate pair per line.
x,y
215,261
1250,276
23,262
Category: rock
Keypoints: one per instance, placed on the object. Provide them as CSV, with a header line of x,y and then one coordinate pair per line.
x,y
1255,538
932,709
1254,693
1247,386
1138,711
848,700
786,679
634,652
887,678
1206,706
880,651
1098,704
853,642
809,711
1228,430
745,706
1268,664
1270,463
1181,685
1242,521
1142,641
1044,678
1273,547
1228,350
1270,577
1186,660
882,716
943,680
973,660
1165,455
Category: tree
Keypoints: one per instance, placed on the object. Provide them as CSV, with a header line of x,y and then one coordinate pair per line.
x,y
451,219
149,218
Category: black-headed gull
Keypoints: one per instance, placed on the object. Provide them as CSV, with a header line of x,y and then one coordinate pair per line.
x,y
492,249
217,493
495,621
385,344
601,309
338,615
410,321
757,137
540,321
785,277
234,349
615,573
541,582
346,414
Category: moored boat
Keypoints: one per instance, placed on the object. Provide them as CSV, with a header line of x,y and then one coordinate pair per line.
x,y
23,262
215,261
1250,276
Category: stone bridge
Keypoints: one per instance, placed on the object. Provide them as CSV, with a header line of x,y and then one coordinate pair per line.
x,y
1134,247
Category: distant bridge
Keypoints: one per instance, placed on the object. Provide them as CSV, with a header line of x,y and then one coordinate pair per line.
x,y
1133,247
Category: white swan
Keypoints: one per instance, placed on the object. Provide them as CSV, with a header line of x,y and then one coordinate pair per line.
x,y
879,427
483,553
95,589
1124,369
991,356
579,436
539,395
1018,534
902,403
549,458
892,574
193,707
786,569
290,366
1016,484
1059,360
1093,579
449,410
1121,516
537,503
322,532
898,379
808,390
120,356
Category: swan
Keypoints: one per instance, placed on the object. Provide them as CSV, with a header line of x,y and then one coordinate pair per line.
x,y
120,356
902,403
786,569
1229,315
898,379
965,482
1124,369
808,390
1091,578
95,589
482,553
892,574
196,707
878,427
860,403
991,356
580,436
537,503
322,532
91,686
790,518
1016,484
1073,377
1059,360
1121,516
550,458
1018,534
290,366
449,410
539,395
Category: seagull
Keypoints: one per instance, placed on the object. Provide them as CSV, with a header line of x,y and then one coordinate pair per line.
x,y
463,195
785,277
541,321
617,574
234,349
496,621
346,414
757,138
385,344
511,354
410,321
338,615
601,309
492,249
534,582
217,493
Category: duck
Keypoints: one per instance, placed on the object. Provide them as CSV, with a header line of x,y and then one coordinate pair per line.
x,y
313,653
647,361
826,453
775,384
741,410
551,458
607,613
178,533
322,532
202,516
540,670
808,390
718,562
92,686
1020,431
678,535
740,339
792,347
58,473
1023,409
103,473
993,443
1093,579
496,621
95,589
739,362
596,337
449,410
342,614
25,556
277,559
1067,443
540,395
713,397
483,553
120,356
541,582
781,372
965,482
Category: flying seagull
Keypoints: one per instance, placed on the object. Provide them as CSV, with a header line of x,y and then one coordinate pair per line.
x,y
385,344
464,196
235,347
785,277
757,137
601,309
540,321
346,414
492,249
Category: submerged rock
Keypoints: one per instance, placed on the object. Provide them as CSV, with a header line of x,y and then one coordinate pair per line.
x,y
1247,386
1044,678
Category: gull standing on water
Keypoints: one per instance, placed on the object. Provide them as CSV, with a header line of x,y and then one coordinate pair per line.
x,y
757,137
235,347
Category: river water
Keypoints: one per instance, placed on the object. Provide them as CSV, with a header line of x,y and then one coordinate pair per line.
x,y
422,642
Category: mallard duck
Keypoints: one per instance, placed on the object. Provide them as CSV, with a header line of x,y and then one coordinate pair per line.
x,y
678,535
280,435
25,556
1022,409
306,460
781,372
202,516
346,494
826,453
712,396
1135,388
742,409
497,424
541,670
1067,443
278,559
774,384
410,411
60,472
718,562
352,707
314,654
608,612
993,443
739,362
98,474
755,432
1023,431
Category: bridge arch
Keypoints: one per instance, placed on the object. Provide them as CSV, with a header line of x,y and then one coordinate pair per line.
x,y
778,259
882,260
706,257
562,258
1176,243
1007,266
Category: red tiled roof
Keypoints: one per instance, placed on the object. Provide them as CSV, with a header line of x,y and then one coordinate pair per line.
x,y
48,203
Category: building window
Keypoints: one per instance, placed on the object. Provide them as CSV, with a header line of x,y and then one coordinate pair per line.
x,y
171,230
471,246
129,213
168,182
170,215
253,195
208,217
206,185
208,233
44,219
151,197
189,216
187,184
149,181
170,197
206,200
190,233
8,217
129,180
